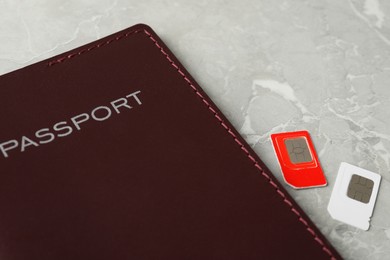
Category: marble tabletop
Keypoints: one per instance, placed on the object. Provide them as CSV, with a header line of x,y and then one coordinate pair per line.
x,y
271,66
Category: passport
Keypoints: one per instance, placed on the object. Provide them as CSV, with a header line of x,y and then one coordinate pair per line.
x,y
113,151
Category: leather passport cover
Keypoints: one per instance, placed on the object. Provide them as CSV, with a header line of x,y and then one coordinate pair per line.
x,y
113,151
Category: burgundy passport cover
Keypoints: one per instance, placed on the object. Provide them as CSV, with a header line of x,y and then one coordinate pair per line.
x,y
113,151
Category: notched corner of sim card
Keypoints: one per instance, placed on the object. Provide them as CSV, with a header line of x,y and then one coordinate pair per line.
x,y
324,184
336,213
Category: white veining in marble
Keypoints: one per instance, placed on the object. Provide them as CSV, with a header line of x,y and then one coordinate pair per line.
x,y
270,66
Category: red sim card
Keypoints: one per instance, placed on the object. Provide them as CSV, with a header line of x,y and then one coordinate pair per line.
x,y
298,160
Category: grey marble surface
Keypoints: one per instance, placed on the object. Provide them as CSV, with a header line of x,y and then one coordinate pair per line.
x,y
271,66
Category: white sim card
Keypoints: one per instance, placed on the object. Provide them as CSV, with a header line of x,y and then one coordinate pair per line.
x,y
354,195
